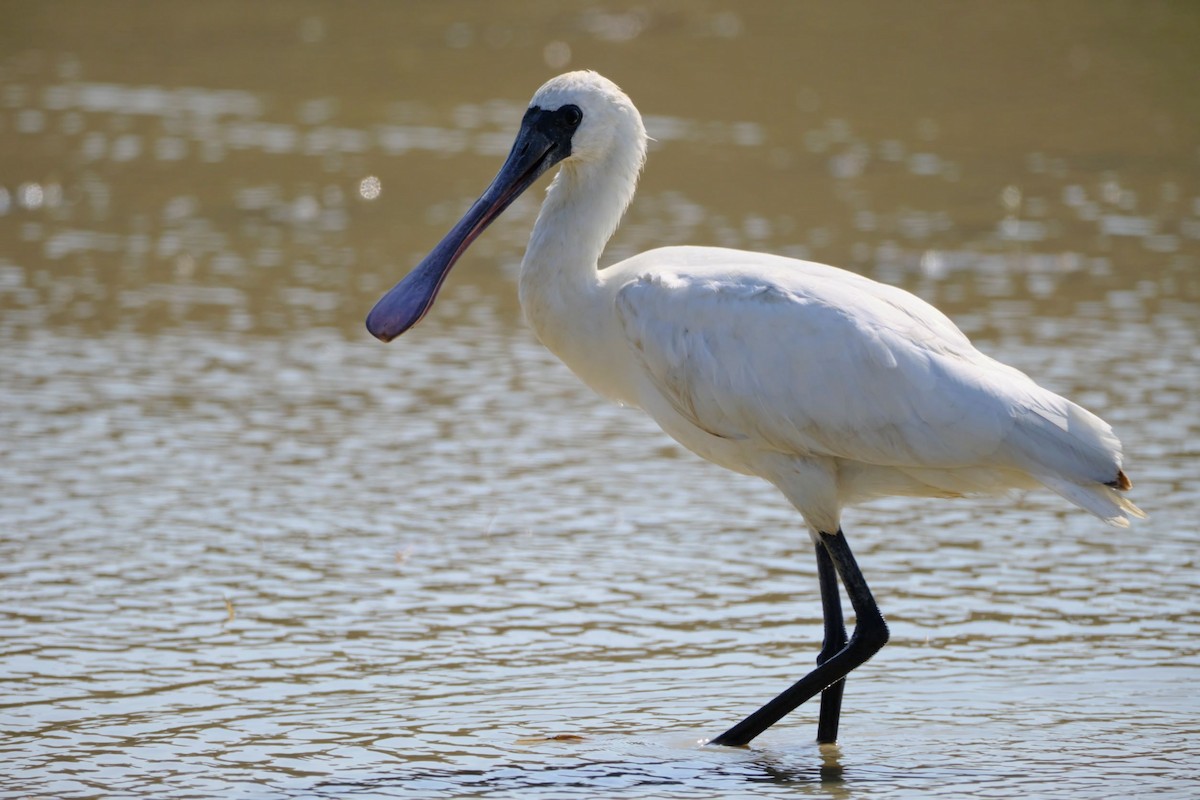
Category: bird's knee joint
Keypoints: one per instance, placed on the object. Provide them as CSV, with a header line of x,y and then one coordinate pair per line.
x,y
871,634
878,635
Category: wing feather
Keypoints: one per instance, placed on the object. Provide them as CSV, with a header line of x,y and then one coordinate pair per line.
x,y
823,364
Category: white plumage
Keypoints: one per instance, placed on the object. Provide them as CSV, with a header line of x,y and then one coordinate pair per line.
x,y
833,387
861,381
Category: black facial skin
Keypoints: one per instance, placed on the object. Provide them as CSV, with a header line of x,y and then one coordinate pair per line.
x,y
558,125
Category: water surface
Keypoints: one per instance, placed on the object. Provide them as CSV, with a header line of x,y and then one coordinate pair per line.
x,y
247,551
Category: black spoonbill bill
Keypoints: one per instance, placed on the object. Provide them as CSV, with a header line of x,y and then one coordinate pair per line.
x,y
833,387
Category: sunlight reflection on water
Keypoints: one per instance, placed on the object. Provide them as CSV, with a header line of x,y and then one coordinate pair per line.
x,y
246,551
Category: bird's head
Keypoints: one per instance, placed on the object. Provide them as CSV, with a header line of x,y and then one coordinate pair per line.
x,y
577,119
607,117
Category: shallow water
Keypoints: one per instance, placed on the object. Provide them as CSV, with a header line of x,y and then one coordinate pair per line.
x,y
247,551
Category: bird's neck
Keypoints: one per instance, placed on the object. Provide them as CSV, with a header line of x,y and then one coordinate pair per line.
x,y
560,275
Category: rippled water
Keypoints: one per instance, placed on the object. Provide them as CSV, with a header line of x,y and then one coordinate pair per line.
x,y
246,551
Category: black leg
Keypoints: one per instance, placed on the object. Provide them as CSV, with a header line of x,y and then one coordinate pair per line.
x,y
870,634
835,640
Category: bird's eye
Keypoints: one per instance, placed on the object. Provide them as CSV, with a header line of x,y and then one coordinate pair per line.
x,y
572,115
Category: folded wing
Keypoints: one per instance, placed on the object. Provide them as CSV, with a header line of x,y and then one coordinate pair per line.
x,y
816,361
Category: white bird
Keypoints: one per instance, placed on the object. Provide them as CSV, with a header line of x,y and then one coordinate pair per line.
x,y
833,387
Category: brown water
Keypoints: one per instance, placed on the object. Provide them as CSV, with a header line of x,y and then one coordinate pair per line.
x,y
247,551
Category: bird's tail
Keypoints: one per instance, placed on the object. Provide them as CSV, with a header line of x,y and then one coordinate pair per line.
x,y
1073,452
1103,500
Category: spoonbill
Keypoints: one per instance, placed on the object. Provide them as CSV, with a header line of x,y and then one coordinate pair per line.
x,y
833,387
